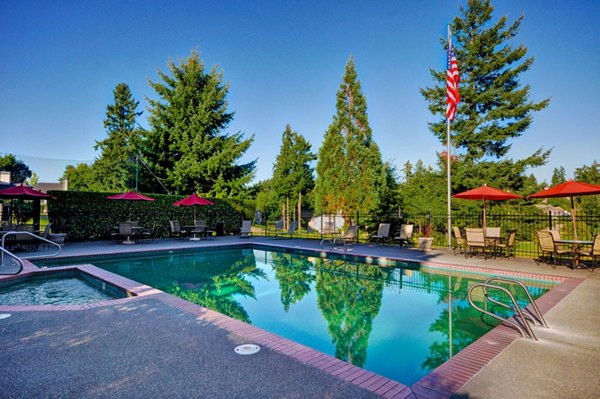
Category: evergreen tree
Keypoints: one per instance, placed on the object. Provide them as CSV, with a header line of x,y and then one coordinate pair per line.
x,y
350,173
559,175
114,169
186,146
292,173
495,108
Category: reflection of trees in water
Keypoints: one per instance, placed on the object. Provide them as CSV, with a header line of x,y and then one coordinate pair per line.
x,y
294,276
218,293
349,297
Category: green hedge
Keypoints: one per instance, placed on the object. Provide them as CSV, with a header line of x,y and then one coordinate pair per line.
x,y
91,216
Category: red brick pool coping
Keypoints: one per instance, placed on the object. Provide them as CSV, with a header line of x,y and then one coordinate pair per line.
x,y
444,381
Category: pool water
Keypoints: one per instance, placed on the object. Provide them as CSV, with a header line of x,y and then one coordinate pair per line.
x,y
401,321
52,291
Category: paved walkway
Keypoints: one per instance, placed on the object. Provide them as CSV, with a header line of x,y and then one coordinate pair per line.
x,y
148,348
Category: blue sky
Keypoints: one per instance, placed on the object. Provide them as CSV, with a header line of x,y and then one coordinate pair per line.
x,y
61,60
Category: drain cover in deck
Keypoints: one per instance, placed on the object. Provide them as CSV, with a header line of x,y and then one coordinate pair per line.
x,y
247,349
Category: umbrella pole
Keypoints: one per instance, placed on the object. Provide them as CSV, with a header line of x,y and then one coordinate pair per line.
x,y
573,216
484,223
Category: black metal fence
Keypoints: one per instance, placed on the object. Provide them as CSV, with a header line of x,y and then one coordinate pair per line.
x,y
319,226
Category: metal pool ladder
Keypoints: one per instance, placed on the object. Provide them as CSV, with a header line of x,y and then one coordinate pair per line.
x,y
523,315
6,253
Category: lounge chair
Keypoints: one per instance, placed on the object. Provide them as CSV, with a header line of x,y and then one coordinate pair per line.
x,y
459,242
383,232
476,243
58,238
405,235
290,232
507,248
549,251
246,230
593,252
346,239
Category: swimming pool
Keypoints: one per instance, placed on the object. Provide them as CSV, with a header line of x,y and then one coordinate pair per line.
x,y
400,320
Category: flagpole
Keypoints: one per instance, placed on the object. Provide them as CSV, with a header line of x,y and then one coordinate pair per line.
x,y
449,190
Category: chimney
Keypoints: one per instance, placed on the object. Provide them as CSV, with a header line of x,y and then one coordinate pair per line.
x,y
4,176
65,184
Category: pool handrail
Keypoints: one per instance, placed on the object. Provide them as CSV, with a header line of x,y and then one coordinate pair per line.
x,y
534,316
35,236
524,328
7,252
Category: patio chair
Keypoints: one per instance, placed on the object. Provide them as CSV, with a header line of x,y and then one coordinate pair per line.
x,y
383,232
476,243
201,229
149,234
507,248
405,235
593,252
246,230
176,231
348,238
459,241
125,231
549,251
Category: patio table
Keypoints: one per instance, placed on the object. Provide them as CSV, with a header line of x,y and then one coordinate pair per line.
x,y
576,245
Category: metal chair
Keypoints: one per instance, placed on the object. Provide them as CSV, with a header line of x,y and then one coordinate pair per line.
x,y
459,241
594,252
508,248
549,250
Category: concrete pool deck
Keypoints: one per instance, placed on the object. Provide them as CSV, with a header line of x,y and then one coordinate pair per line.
x,y
130,348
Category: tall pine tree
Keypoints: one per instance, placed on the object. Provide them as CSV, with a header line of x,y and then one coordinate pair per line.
x,y
292,173
114,169
495,108
186,145
350,172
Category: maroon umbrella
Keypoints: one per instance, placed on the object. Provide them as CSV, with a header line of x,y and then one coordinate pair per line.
x,y
130,196
193,200
568,189
486,193
24,192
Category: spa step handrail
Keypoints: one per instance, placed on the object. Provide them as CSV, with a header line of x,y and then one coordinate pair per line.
x,y
520,323
35,236
4,251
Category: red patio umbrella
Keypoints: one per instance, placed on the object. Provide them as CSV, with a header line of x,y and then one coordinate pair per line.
x,y
130,196
24,192
568,189
486,193
193,200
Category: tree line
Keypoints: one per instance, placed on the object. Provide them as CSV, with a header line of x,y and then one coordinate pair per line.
x,y
187,148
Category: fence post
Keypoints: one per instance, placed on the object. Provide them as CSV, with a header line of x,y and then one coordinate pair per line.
x,y
550,219
358,224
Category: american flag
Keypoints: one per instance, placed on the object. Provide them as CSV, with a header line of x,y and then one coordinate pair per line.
x,y
452,79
